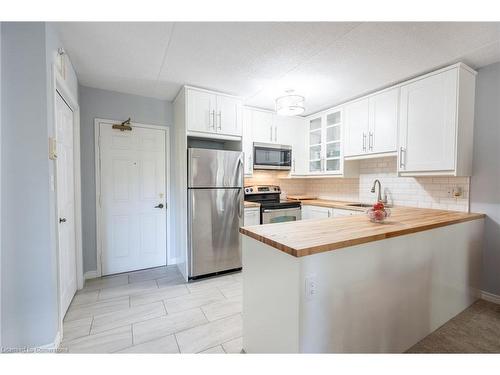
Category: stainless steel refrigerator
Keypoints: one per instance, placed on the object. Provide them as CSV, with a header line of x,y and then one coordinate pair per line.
x,y
215,210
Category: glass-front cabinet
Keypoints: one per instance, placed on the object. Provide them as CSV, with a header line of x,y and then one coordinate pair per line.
x,y
324,141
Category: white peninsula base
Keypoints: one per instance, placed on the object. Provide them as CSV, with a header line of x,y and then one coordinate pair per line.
x,y
381,296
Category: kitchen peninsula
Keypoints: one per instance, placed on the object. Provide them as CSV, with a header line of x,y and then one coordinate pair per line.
x,y
346,284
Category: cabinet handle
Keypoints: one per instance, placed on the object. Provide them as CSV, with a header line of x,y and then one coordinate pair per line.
x,y
271,134
370,141
220,119
293,165
401,163
275,134
364,142
212,115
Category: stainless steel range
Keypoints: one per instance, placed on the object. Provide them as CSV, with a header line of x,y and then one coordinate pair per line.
x,y
272,209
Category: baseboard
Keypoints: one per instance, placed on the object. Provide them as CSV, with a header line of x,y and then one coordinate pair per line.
x,y
54,345
90,275
490,297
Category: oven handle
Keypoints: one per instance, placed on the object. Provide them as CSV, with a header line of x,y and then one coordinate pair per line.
x,y
281,209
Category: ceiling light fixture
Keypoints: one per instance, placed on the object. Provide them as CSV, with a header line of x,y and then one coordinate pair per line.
x,y
290,104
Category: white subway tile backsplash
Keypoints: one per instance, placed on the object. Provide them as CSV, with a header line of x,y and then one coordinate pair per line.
x,y
425,192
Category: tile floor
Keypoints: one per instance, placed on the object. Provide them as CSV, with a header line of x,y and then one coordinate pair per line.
x,y
155,311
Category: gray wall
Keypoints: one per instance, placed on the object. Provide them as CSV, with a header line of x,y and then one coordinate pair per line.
x,y
485,182
97,103
29,284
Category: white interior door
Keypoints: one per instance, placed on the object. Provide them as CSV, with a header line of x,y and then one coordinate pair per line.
x,y
133,199
65,203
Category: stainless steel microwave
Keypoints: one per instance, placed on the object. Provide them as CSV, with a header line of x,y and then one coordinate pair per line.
x,y
272,156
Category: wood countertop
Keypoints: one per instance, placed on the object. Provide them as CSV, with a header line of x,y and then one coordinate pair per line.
x,y
307,237
251,204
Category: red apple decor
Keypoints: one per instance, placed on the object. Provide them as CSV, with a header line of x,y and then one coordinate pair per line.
x,y
378,213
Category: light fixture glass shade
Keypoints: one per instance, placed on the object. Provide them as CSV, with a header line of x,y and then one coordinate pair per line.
x,y
290,105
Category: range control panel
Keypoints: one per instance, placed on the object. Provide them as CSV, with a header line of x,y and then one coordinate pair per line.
x,y
262,189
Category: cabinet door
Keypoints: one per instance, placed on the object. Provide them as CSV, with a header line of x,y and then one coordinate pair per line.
x,y
383,127
333,160
299,147
251,216
262,126
200,111
228,116
315,145
339,212
356,128
247,142
316,212
428,123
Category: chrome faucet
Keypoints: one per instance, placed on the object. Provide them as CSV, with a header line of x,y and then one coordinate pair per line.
x,y
379,197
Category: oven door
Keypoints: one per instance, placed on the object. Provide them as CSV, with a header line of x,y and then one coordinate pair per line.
x,y
269,156
281,215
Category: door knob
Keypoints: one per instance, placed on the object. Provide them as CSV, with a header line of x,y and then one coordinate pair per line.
x,y
62,220
159,206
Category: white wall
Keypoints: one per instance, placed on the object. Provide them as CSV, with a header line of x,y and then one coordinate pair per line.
x,y
485,181
97,103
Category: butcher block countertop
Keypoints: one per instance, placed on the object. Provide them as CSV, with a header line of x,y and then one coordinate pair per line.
x,y
307,237
251,204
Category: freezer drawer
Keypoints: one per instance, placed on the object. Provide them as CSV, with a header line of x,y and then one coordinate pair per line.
x,y
214,168
215,216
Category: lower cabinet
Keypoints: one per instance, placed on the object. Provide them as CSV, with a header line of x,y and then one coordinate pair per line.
x,y
317,212
251,216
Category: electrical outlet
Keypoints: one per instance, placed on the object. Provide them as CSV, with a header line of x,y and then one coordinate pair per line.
x,y
311,287
455,192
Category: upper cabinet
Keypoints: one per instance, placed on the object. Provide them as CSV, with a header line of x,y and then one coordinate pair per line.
x,y
263,126
209,113
371,125
436,123
324,143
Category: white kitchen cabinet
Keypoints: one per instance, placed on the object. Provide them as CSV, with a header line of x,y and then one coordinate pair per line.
x,y
201,106
356,127
228,115
251,216
263,129
266,127
436,123
340,212
371,125
383,123
209,113
324,143
291,132
316,212
247,142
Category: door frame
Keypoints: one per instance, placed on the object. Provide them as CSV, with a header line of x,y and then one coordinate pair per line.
x,y
98,208
60,88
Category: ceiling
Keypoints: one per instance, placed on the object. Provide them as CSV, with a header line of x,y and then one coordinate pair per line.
x,y
327,62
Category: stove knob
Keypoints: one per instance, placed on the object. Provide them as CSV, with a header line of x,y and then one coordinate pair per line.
x,y
251,189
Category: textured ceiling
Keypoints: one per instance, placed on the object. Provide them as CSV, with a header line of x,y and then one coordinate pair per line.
x,y
327,62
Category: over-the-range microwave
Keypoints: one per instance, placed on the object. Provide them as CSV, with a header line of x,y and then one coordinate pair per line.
x,y
272,156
